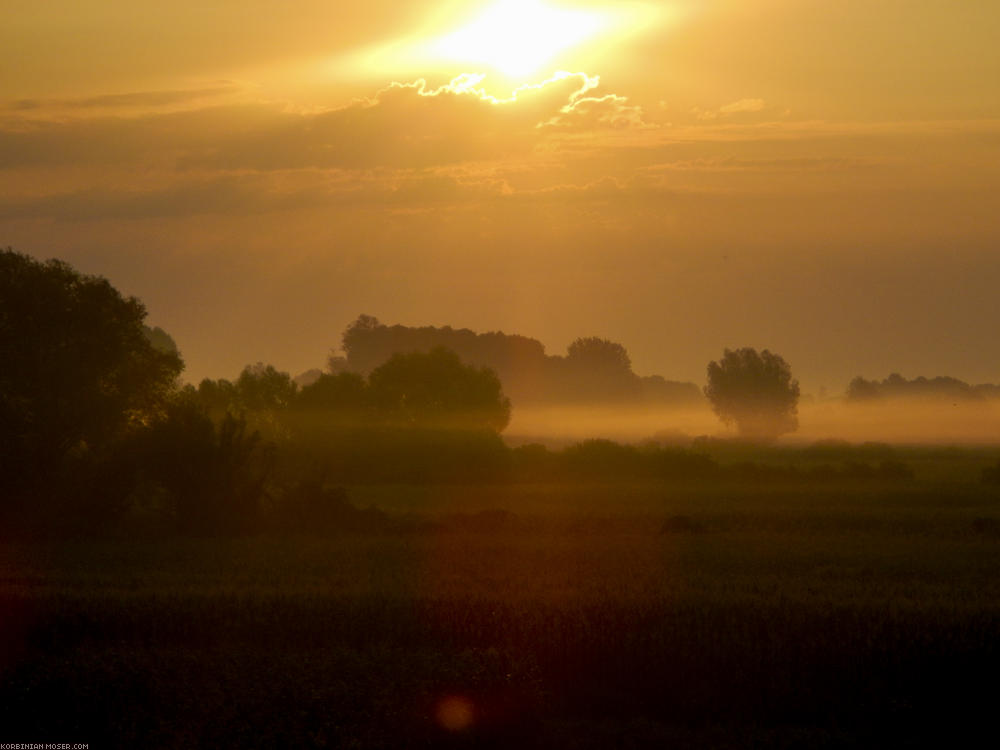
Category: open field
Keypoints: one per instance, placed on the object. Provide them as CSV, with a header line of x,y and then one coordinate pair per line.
x,y
585,616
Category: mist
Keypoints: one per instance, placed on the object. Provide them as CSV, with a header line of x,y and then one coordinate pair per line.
x,y
904,421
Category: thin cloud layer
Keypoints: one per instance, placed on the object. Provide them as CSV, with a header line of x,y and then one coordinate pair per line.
x,y
405,125
132,99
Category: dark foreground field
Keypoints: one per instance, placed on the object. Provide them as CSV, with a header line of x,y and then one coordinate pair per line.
x,y
589,617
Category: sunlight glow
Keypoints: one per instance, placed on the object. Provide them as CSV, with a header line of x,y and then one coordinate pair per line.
x,y
517,37
512,42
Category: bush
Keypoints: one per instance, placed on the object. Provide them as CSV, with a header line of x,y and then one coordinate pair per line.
x,y
215,474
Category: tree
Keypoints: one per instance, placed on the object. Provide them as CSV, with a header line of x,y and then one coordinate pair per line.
x,y
596,369
434,389
262,387
161,340
78,367
364,342
345,391
600,354
755,391
259,388
215,473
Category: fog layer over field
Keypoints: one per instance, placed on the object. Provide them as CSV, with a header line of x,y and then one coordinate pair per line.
x,y
891,420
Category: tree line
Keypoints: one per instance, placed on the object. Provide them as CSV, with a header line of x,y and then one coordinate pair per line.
x,y
593,369
938,388
95,423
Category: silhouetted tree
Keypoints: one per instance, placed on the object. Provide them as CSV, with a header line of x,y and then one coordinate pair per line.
x,y
363,343
860,389
596,369
755,391
261,392
161,340
308,377
599,354
261,387
77,367
435,389
344,391
215,473
337,363
218,396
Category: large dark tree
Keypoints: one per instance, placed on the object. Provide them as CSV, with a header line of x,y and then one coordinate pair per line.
x,y
755,391
435,389
77,366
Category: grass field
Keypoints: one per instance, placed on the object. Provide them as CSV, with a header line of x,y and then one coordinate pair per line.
x,y
525,616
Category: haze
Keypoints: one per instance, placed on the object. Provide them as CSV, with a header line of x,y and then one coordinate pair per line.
x,y
895,421
818,179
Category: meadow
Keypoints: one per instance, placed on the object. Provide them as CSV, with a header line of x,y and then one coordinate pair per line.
x,y
547,614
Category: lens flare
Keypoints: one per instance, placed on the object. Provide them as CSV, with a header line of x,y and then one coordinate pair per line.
x,y
455,713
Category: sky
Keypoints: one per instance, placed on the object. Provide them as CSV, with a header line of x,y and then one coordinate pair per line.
x,y
819,179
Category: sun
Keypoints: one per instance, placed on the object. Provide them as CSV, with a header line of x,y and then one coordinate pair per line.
x,y
509,41
517,37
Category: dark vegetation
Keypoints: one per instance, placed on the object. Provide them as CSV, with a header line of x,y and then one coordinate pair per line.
x,y
593,370
362,561
938,388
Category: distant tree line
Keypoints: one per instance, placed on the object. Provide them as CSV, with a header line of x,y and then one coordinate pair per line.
x,y
938,388
594,370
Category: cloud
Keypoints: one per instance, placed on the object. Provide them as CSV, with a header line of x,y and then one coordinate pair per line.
x,y
730,163
130,99
404,125
217,196
239,195
740,107
743,105
137,140
413,146
585,112
411,125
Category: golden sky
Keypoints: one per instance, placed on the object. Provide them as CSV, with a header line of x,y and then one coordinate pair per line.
x,y
822,179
